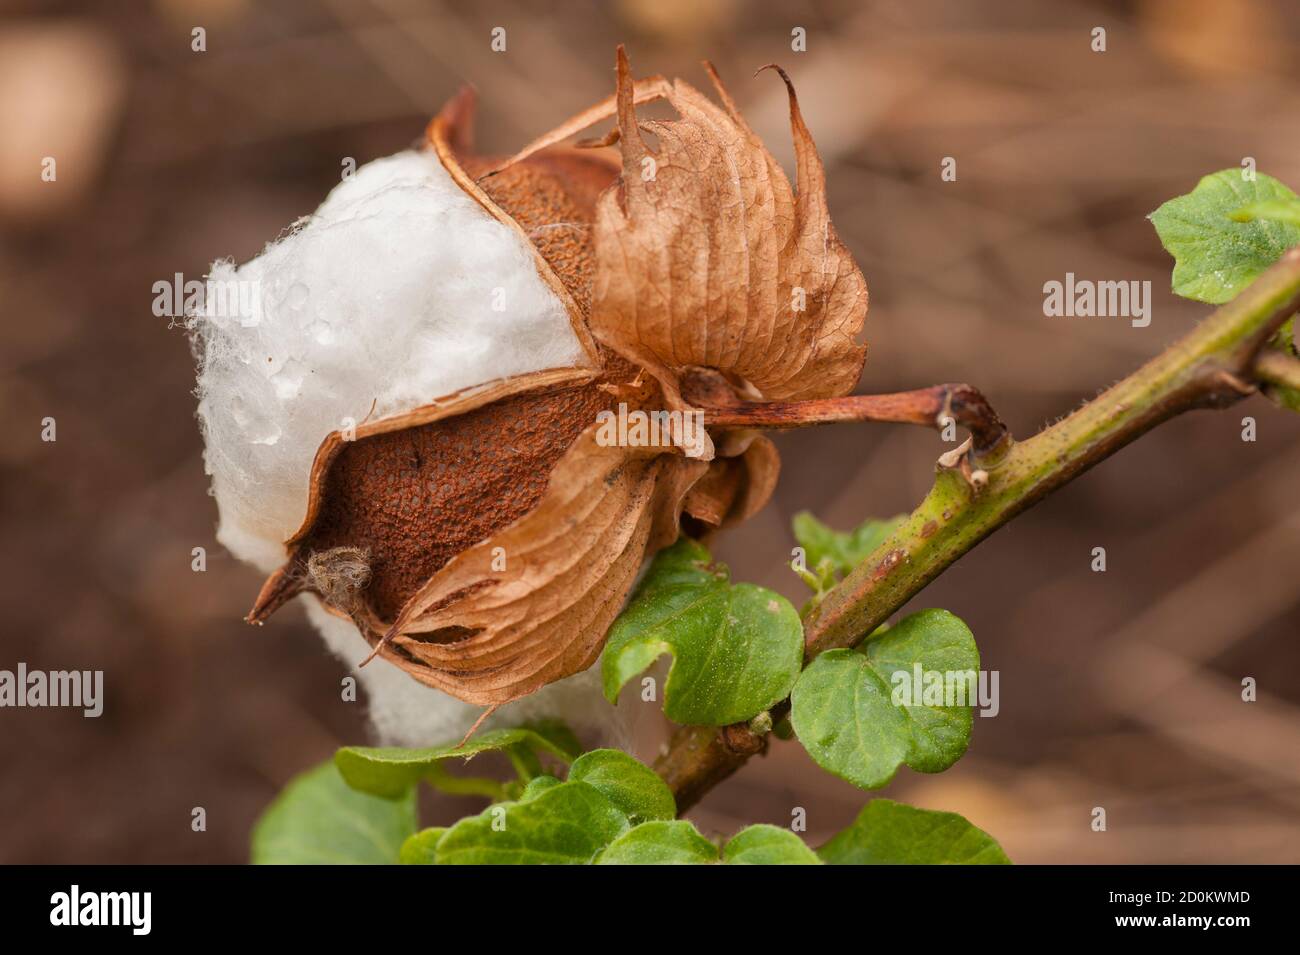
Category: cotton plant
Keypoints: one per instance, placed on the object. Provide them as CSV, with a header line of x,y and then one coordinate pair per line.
x,y
408,432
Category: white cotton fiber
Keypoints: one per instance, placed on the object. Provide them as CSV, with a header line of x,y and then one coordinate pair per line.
x,y
399,289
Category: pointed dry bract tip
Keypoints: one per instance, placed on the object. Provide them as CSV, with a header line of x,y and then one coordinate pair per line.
x,y
789,88
723,94
378,647
634,148
796,116
456,121
482,717
810,176
281,587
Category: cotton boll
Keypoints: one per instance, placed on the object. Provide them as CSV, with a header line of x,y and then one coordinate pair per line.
x,y
398,290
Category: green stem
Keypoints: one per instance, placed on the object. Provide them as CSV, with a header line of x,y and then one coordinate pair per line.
x,y
1279,369
1206,368
976,493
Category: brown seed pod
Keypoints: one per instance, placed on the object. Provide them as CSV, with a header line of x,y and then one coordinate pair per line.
x,y
485,541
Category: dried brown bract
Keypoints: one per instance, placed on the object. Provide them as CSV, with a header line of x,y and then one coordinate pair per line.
x,y
485,541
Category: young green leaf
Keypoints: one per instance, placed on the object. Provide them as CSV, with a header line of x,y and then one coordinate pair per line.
x,y
843,550
319,820
538,785
420,848
675,842
861,713
391,770
566,824
890,833
1274,210
767,845
736,649
633,787
1215,257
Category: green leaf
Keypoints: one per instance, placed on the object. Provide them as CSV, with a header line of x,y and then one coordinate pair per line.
x,y
538,785
319,820
736,649
566,824
1274,210
660,842
390,770
844,710
841,550
767,845
633,787
420,848
890,833
1216,257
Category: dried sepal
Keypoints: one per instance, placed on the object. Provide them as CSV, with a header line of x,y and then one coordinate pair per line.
x,y
739,482
414,489
532,604
707,257
492,589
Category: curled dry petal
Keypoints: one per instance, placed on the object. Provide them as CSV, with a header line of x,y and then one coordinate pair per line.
x,y
532,604
740,480
414,490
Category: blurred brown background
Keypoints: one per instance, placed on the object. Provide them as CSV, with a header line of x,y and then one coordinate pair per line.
x,y
1118,690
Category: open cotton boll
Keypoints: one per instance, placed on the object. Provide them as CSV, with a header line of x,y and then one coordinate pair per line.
x,y
398,290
